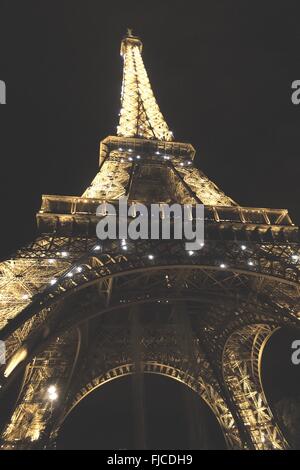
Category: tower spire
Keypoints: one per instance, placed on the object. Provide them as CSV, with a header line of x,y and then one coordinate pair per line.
x,y
140,115
129,32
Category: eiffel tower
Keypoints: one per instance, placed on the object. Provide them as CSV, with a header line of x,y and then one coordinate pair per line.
x,y
77,313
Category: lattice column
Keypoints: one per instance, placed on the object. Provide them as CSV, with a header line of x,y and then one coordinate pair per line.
x,y
205,189
33,413
111,181
241,366
20,280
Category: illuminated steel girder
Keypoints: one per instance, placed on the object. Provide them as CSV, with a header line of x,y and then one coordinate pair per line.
x,y
139,115
66,301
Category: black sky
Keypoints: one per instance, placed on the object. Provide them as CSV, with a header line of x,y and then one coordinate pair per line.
x,y
221,72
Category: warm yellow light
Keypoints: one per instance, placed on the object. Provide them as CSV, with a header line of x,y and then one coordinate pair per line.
x,y
17,358
52,393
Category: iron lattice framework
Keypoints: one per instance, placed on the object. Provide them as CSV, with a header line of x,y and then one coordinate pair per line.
x,y
73,310
140,115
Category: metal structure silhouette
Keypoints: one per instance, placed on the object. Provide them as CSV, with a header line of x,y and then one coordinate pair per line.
x,y
77,313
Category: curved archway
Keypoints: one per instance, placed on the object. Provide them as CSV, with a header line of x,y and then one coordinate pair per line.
x,y
206,386
218,281
281,382
203,389
242,373
174,417
113,264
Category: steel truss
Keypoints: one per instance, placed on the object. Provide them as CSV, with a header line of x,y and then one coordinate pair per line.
x,y
67,300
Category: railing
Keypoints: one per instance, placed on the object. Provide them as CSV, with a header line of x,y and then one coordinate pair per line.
x,y
78,206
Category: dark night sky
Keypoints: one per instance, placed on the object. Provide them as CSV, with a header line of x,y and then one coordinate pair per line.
x,y
221,72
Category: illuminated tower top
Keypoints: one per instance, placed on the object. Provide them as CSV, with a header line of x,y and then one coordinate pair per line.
x,y
143,162
140,115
